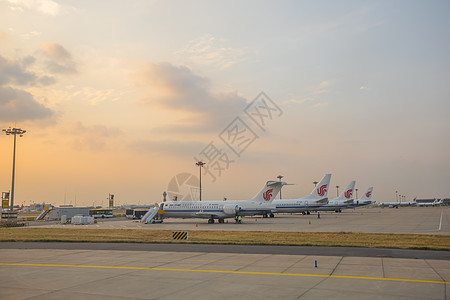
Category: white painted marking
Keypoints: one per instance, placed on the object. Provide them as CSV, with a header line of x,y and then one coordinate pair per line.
x,y
440,222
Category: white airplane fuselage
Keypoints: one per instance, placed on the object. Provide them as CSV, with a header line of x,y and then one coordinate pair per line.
x,y
311,202
334,205
396,204
366,199
425,204
298,205
343,201
359,203
262,203
218,209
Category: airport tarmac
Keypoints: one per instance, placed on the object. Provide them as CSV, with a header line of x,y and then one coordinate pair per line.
x,y
111,274
128,271
417,220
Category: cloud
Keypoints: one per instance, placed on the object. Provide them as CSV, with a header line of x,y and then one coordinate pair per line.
x,y
94,95
13,71
94,137
57,51
209,50
47,80
321,104
60,60
46,7
31,34
4,36
320,89
178,88
312,93
18,105
175,148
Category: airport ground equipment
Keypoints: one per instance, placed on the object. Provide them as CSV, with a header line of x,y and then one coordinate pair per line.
x,y
151,216
43,214
82,220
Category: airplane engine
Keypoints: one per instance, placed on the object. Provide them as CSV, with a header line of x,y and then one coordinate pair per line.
x,y
231,209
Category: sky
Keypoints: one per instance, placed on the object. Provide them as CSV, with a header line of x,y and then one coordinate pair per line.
x,y
123,97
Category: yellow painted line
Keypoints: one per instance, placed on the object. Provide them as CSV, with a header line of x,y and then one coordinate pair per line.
x,y
227,272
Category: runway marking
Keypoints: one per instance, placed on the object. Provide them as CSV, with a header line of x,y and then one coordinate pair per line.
x,y
440,222
226,272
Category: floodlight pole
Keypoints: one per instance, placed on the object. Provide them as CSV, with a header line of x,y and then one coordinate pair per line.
x,y
280,177
315,183
20,132
337,191
200,164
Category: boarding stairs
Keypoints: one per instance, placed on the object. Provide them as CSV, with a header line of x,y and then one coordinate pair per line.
x,y
150,216
42,214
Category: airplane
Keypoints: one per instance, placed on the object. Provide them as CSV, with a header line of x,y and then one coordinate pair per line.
x,y
304,205
439,202
390,204
211,210
399,204
393,204
366,199
343,201
409,203
428,204
18,209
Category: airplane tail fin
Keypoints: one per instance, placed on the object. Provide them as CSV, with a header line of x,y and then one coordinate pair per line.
x,y
367,196
269,192
19,208
347,194
321,190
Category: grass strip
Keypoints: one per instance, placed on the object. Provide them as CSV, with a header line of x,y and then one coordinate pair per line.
x,y
327,239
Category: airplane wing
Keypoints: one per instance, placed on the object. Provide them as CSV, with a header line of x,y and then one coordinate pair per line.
x,y
348,201
204,214
322,201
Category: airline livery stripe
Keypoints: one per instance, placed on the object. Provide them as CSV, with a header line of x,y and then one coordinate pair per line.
x,y
180,235
176,210
227,272
303,206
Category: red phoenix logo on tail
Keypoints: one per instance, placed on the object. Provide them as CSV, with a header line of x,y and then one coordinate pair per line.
x,y
368,194
348,194
267,194
322,190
